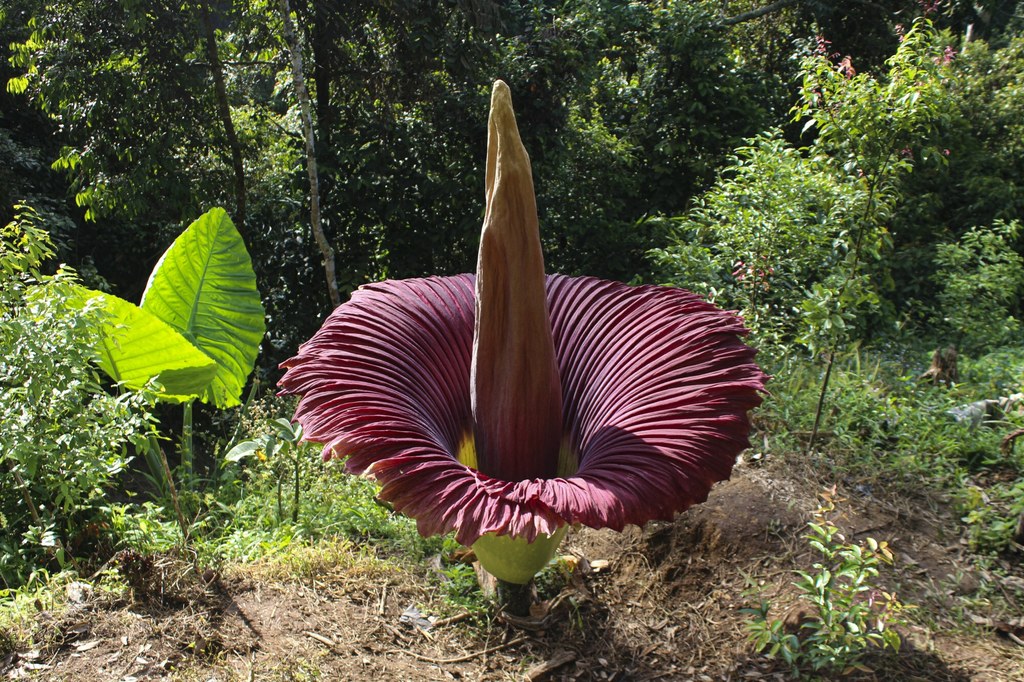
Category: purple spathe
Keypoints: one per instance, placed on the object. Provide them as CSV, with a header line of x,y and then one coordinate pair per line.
x,y
656,386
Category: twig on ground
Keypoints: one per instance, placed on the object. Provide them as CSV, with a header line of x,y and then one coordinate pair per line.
x,y
453,619
326,641
460,659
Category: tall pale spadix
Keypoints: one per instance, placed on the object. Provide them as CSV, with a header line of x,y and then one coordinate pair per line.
x,y
516,396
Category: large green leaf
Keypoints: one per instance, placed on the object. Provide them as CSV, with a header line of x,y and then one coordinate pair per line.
x,y
204,287
136,346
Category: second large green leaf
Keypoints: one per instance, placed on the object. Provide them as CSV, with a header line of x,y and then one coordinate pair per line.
x,y
134,346
204,286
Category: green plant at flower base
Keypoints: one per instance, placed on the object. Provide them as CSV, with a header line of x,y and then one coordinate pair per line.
x,y
848,615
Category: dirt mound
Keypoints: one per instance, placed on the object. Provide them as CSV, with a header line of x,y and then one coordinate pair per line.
x,y
658,603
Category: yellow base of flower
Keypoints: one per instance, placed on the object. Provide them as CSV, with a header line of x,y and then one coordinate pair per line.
x,y
515,560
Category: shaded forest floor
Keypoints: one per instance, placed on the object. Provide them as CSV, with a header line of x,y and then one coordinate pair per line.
x,y
658,603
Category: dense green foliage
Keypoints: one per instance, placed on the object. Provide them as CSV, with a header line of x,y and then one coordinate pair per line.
x,y
796,237
65,439
980,279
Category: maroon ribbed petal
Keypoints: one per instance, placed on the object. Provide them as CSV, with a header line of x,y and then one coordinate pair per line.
x,y
385,382
656,387
388,372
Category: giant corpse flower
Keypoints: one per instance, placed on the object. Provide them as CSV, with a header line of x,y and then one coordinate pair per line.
x,y
511,404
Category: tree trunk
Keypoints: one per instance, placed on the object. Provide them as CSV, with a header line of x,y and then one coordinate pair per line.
x,y
307,127
224,110
324,41
943,368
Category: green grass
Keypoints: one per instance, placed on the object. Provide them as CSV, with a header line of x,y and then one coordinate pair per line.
x,y
884,427
241,521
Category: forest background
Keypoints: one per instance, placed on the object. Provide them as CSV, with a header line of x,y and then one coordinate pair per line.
x,y
116,130
847,175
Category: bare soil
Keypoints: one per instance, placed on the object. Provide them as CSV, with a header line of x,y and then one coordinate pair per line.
x,y
658,603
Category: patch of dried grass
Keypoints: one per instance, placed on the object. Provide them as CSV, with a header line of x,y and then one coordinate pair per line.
x,y
336,566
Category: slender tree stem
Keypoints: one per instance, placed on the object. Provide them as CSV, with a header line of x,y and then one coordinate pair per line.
x,y
174,497
242,413
295,501
186,441
280,503
307,126
821,401
839,299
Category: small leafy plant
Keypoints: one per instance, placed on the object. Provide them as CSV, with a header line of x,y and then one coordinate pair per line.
x,y
990,514
280,443
848,613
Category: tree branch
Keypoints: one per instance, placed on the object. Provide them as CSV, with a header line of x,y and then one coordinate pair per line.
x,y
224,111
757,13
